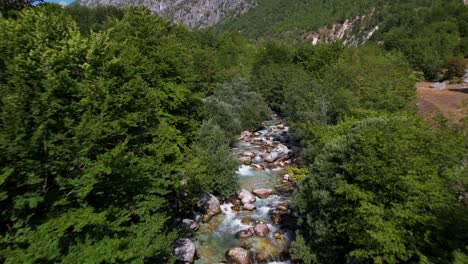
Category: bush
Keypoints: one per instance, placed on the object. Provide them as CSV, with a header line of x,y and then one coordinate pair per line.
x,y
455,68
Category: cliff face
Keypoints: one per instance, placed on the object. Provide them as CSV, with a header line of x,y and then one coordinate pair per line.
x,y
354,31
193,13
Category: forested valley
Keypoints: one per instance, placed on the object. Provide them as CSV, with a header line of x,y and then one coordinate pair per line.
x,y
114,123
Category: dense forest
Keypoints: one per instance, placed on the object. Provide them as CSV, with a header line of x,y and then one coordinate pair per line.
x,y
114,122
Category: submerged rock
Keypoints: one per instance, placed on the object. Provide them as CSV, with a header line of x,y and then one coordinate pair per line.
x,y
247,220
245,160
184,250
238,256
263,193
210,206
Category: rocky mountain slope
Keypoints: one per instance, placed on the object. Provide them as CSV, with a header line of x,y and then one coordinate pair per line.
x,y
193,13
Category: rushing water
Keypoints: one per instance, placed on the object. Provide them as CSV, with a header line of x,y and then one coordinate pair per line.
x,y
219,235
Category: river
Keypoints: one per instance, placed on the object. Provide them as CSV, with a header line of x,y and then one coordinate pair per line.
x,y
221,233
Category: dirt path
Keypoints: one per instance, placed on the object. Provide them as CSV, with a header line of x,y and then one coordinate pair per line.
x,y
451,102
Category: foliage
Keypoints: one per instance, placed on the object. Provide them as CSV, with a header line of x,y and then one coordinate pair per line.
x,y
94,131
211,167
366,80
455,68
7,7
271,17
234,106
93,19
383,191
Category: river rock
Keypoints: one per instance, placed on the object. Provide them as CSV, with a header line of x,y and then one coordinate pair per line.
x,y
235,200
248,154
263,193
278,235
286,177
257,134
280,126
261,230
210,206
279,153
236,208
276,219
260,257
257,167
247,220
281,207
190,224
249,207
246,197
245,135
245,160
245,233
238,256
184,250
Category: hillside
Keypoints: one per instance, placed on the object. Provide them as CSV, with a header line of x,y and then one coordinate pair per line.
x,y
192,13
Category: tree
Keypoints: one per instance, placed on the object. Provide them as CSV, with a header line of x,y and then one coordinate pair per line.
x,y
211,167
383,192
6,6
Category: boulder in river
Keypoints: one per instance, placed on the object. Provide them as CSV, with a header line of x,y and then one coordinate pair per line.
x,y
238,255
263,193
278,235
235,200
245,233
249,207
245,135
210,206
261,229
248,154
280,152
190,224
257,167
246,197
184,250
260,257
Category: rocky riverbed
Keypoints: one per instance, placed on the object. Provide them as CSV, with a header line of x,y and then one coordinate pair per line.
x,y
256,224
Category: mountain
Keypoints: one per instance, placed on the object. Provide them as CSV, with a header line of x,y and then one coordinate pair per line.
x,y
193,13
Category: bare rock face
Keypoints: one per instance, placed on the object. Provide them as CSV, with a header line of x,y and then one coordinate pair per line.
x,y
263,193
238,256
192,13
184,250
210,206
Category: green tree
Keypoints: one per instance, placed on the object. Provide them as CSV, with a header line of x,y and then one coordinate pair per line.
x,y
384,191
211,167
